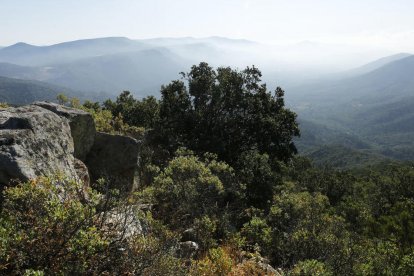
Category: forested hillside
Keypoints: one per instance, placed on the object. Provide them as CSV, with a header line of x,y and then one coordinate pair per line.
x,y
222,192
369,111
20,92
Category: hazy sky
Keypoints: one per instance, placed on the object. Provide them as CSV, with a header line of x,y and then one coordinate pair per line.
x,y
385,23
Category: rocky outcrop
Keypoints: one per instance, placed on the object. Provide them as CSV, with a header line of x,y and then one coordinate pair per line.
x,y
82,127
47,139
115,158
34,141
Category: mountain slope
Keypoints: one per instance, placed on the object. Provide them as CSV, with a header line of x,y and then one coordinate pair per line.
x,y
369,67
375,108
340,98
314,134
142,72
20,92
23,72
343,157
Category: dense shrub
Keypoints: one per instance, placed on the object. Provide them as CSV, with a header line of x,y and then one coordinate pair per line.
x,y
57,226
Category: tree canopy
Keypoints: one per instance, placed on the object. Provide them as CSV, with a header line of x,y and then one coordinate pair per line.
x,y
226,112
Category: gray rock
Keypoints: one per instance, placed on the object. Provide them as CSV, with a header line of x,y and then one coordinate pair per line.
x,y
48,139
269,269
124,222
263,263
81,123
187,249
115,158
34,142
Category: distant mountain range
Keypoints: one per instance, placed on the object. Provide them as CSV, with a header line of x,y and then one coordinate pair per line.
x,y
115,64
30,55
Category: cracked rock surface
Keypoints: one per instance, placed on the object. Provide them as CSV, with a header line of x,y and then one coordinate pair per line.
x,y
34,141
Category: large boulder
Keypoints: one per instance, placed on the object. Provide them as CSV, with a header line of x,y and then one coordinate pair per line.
x,y
47,139
115,158
34,141
82,127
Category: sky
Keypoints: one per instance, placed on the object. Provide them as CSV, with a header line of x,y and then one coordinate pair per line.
x,y
381,23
